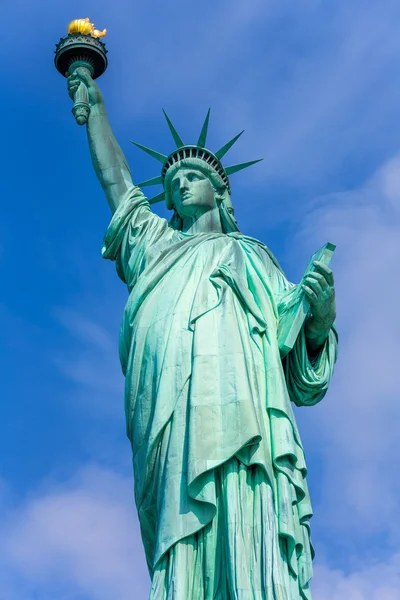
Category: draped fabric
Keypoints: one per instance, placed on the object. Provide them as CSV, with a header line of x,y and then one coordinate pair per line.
x,y
208,407
239,554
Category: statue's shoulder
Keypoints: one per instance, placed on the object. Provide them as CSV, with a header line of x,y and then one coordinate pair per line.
x,y
262,250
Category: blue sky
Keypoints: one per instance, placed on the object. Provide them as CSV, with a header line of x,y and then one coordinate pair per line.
x,y
315,85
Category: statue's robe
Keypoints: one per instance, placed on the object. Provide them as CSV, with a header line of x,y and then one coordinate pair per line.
x,y
220,474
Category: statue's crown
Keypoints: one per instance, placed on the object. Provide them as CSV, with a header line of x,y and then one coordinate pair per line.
x,y
198,151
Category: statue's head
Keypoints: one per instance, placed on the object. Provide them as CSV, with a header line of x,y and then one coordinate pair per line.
x,y
192,187
195,180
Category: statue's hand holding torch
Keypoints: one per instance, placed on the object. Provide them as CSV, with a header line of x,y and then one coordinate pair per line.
x,y
81,57
81,83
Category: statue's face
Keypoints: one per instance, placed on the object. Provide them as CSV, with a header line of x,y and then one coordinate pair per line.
x,y
192,193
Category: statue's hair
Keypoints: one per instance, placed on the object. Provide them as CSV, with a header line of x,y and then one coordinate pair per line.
x,y
222,196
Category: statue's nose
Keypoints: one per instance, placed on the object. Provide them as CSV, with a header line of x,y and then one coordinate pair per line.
x,y
184,184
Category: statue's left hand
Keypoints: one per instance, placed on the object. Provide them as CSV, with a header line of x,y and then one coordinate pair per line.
x,y
320,289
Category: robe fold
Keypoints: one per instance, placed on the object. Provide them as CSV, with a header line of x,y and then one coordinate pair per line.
x,y
206,386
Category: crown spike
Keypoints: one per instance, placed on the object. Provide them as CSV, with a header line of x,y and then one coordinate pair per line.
x,y
157,198
153,181
177,138
203,134
239,167
227,146
157,155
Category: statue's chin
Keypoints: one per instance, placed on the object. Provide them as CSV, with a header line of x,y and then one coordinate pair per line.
x,y
192,207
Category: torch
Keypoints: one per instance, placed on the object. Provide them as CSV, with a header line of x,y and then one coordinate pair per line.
x,y
81,47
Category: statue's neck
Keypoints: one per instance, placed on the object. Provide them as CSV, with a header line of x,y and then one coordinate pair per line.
x,y
208,222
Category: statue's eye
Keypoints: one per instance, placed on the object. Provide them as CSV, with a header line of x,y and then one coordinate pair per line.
x,y
193,177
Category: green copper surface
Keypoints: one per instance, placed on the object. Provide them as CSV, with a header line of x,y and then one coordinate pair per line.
x,y
241,166
153,181
157,155
76,51
215,345
201,142
222,151
177,138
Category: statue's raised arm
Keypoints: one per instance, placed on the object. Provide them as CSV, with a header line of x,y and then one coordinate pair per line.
x,y
108,159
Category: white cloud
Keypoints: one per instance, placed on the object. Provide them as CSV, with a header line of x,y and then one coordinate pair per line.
x,y
357,425
79,537
377,581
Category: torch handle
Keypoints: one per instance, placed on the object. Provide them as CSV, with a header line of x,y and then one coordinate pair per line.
x,y
81,108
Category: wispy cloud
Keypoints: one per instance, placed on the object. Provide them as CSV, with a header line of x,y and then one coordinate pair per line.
x,y
358,423
73,539
90,360
378,581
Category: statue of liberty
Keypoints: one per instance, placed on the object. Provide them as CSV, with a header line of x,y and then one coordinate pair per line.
x,y
219,467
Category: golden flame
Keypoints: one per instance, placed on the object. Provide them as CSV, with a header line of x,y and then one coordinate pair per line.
x,y
85,27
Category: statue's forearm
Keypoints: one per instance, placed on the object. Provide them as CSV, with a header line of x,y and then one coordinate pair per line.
x,y
107,157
